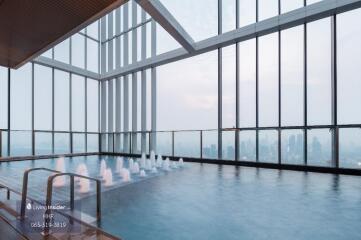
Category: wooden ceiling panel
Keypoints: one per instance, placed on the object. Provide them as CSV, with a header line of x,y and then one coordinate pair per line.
x,y
30,27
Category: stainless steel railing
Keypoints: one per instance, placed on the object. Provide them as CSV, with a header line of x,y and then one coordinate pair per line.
x,y
50,189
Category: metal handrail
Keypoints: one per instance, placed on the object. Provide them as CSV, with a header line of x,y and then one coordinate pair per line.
x,y
8,190
49,193
50,188
24,194
72,178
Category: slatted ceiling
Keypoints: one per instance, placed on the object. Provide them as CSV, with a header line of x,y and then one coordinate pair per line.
x,y
30,27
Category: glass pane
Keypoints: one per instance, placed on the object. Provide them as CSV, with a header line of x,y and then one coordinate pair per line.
x,y
319,147
149,99
130,100
139,101
92,30
104,142
210,144
78,143
20,143
268,80
164,143
192,93
118,144
110,142
126,143
61,100
312,1
292,147
268,146
289,5
319,75
267,9
92,56
228,145
165,42
43,143
48,54
78,50
292,77
21,98
228,15
247,145
149,40
247,83
92,105
247,12
187,144
4,144
350,148
61,143
61,51
78,103
348,63
3,98
199,22
130,36
229,87
43,97
138,148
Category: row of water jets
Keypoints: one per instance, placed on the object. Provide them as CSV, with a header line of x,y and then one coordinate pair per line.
x,y
136,167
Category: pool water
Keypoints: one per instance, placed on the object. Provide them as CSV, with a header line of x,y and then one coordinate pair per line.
x,y
206,201
11,175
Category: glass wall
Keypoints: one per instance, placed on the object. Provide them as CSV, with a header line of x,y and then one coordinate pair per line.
x,y
292,77
268,80
187,99
78,103
247,83
46,107
3,98
277,91
43,97
319,82
21,98
348,62
282,97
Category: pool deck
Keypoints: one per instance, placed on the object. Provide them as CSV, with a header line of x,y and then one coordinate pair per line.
x,y
8,232
11,227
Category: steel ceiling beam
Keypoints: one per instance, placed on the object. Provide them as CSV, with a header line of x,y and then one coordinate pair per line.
x,y
161,14
287,20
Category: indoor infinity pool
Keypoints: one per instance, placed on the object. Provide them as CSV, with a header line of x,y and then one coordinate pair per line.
x,y
207,201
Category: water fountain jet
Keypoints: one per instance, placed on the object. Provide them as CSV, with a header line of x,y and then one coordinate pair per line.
x,y
142,173
152,157
159,161
174,164
166,165
60,167
131,163
84,185
103,167
108,177
142,161
135,168
126,175
154,170
148,165
119,165
180,162
81,170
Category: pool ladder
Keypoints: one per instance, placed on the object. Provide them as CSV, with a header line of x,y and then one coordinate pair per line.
x,y
49,191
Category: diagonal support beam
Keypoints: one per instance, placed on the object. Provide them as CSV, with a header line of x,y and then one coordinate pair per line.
x,y
160,13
